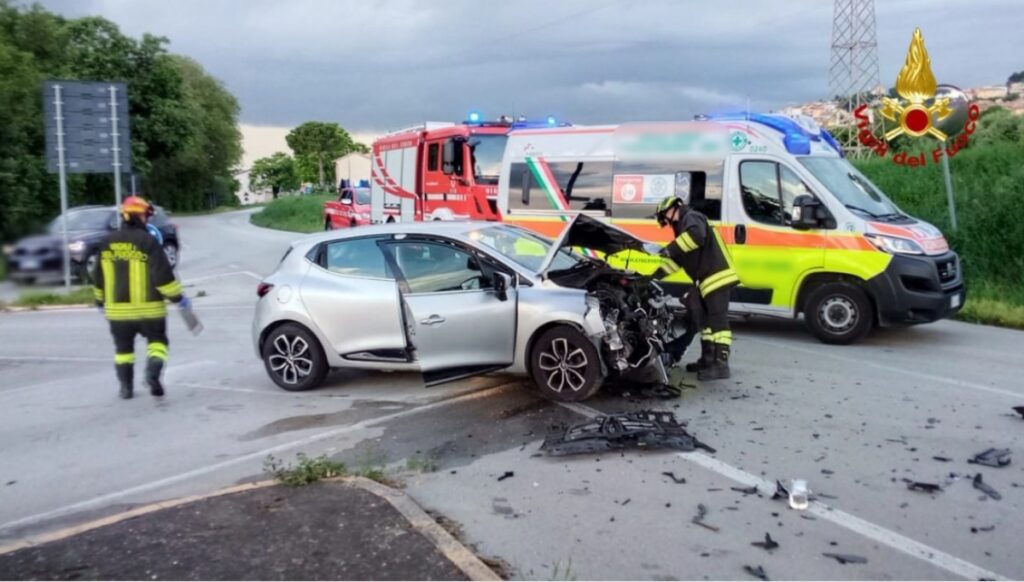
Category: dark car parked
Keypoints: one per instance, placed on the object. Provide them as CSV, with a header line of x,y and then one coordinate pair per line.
x,y
39,256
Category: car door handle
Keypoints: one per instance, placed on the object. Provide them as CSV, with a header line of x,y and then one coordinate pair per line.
x,y
432,320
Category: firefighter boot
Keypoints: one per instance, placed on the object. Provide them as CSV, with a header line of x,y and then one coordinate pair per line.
x,y
153,368
719,367
124,376
707,355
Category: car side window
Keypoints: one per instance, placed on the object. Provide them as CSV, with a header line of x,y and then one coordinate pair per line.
x,y
759,189
792,186
433,267
355,258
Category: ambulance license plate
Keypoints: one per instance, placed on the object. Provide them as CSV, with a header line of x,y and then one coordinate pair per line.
x,y
954,301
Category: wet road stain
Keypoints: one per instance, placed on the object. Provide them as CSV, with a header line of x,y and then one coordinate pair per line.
x,y
360,410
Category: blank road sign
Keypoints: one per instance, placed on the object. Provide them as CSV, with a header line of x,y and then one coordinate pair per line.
x,y
88,130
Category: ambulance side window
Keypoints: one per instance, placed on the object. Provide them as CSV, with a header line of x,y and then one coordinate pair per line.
x,y
639,186
792,186
759,189
576,186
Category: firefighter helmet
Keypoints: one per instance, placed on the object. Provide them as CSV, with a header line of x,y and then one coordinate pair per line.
x,y
664,206
135,206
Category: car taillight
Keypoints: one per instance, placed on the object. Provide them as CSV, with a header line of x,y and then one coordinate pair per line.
x,y
263,288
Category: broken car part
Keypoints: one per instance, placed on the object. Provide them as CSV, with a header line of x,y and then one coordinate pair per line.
x,y
986,488
671,475
846,558
768,543
506,475
756,572
780,491
799,495
1019,410
645,429
702,511
991,458
921,486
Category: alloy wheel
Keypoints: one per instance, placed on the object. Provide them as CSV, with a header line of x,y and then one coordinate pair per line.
x,y
291,359
563,365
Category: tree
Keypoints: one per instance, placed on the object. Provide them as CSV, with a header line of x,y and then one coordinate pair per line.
x,y
1016,78
276,172
320,142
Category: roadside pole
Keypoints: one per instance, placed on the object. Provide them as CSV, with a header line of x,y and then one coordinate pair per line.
x,y
59,119
114,135
949,186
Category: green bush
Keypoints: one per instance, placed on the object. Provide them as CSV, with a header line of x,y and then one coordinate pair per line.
x,y
307,470
79,296
295,213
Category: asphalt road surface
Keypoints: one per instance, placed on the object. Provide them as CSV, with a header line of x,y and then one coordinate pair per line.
x,y
854,421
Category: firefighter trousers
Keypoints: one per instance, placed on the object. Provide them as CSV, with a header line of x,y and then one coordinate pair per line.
x,y
124,332
715,317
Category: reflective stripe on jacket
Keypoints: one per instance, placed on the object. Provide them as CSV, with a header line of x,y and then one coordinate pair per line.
x,y
133,278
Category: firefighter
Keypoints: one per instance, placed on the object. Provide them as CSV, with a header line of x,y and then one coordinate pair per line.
x,y
699,252
132,280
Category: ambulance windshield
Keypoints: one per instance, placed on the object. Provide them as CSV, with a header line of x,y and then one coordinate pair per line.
x,y
852,188
487,151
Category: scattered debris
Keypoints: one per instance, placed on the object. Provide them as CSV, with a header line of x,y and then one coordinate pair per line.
x,y
827,472
698,519
752,490
756,572
983,528
942,459
9,483
924,487
671,475
1019,410
846,558
992,458
626,502
647,429
780,491
768,543
986,488
506,475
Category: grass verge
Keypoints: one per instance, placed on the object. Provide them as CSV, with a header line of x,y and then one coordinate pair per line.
x,y
293,213
217,210
39,298
3,269
994,305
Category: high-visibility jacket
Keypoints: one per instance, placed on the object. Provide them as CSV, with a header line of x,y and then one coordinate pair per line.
x,y
698,250
133,279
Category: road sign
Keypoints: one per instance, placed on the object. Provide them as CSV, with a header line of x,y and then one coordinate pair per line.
x,y
89,119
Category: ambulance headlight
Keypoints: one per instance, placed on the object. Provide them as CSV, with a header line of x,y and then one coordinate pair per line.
x,y
894,244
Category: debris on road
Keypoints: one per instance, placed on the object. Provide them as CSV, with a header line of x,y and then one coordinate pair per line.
x,y
780,491
986,488
644,429
506,475
923,487
756,572
983,528
1019,410
799,495
846,558
671,475
942,459
991,458
768,543
752,490
702,511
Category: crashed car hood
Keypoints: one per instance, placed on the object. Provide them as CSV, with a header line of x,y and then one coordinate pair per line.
x,y
591,233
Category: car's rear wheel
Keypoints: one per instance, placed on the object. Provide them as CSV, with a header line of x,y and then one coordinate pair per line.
x,y
839,313
565,365
294,359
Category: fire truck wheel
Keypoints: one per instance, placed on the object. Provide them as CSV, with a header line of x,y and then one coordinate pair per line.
x,y
839,313
565,365
327,224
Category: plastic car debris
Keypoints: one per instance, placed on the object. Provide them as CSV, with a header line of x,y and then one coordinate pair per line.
x,y
983,528
846,558
756,572
1019,410
671,475
768,543
799,494
698,519
644,429
752,490
780,491
986,488
506,475
922,486
942,459
991,458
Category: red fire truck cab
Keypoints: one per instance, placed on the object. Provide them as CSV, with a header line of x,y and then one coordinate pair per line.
x,y
440,171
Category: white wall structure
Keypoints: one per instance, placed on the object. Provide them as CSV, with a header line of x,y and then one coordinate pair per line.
x,y
354,167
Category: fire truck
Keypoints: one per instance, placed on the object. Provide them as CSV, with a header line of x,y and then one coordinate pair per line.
x,y
441,171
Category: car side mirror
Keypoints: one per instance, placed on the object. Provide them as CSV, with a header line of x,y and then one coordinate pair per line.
x,y
502,283
347,201
807,213
448,157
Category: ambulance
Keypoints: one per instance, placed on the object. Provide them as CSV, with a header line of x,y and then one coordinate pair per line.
x,y
808,234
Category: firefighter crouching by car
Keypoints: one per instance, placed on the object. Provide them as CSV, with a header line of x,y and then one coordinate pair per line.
x,y
699,252
132,280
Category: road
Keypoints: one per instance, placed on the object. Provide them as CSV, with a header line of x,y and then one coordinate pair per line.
x,y
854,421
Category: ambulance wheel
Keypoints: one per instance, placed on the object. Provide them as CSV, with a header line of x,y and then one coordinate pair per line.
x,y
839,313
565,365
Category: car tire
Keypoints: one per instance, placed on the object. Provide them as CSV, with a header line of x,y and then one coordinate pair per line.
x,y
327,224
171,252
839,313
294,359
565,365
85,270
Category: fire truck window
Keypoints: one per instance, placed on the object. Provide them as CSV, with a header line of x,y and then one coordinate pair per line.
x,y
432,156
759,189
356,258
792,186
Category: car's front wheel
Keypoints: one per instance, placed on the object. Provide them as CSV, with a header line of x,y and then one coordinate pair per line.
x,y
294,359
839,313
565,365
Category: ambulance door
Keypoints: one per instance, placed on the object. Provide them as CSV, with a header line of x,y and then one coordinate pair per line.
x,y
770,256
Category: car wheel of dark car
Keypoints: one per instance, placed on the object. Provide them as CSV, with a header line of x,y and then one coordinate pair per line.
x,y
88,267
171,250
294,359
839,313
565,365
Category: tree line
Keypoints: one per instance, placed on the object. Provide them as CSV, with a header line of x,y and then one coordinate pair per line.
x,y
316,145
185,137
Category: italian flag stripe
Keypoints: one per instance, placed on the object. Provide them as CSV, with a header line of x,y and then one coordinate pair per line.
x,y
542,174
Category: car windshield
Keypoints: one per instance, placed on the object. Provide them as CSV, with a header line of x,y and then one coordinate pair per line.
x,y
853,189
487,152
523,247
362,196
98,219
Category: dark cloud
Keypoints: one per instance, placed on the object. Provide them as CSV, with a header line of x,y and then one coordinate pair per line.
x,y
378,64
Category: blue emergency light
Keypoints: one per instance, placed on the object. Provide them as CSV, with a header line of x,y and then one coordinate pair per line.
x,y
795,137
474,117
552,121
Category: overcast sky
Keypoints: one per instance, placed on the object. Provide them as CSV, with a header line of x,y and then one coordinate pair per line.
x,y
373,65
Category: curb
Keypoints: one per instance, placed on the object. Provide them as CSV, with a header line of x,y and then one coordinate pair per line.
x,y
463,559
15,309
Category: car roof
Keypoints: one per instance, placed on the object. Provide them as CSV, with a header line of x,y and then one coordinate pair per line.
x,y
454,229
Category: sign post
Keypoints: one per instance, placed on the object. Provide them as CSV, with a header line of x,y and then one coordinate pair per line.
x,y
59,120
949,187
116,149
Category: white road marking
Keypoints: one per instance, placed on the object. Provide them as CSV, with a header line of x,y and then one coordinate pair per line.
x,y
193,280
53,359
872,531
174,479
171,371
233,389
888,368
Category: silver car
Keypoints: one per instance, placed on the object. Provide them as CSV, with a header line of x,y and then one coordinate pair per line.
x,y
453,299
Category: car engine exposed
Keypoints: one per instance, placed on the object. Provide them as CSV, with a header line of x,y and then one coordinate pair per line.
x,y
639,317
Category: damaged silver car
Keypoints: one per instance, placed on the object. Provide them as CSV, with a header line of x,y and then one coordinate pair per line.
x,y
452,300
